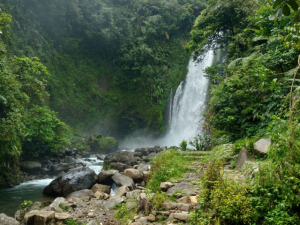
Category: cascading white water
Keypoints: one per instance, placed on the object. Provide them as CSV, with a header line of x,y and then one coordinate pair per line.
x,y
188,104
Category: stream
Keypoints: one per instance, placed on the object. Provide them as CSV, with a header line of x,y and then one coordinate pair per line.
x,y
11,198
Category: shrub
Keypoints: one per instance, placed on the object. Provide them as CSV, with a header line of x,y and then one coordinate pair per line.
x,y
183,145
46,134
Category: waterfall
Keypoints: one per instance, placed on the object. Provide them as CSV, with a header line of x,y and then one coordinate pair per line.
x,y
183,111
188,104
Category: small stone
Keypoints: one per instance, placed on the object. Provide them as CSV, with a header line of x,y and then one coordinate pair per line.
x,y
166,185
151,218
85,198
62,216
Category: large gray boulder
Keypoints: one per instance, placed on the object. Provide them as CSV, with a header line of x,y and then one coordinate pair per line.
x,y
104,176
120,160
242,157
261,146
31,167
6,220
122,180
75,180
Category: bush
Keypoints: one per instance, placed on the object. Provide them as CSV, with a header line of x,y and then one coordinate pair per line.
x,y
100,144
46,134
183,145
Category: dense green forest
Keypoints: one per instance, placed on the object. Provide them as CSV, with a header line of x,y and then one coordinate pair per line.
x,y
108,66
254,94
102,66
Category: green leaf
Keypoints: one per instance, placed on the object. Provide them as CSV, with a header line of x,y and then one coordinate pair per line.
x,y
277,3
286,10
294,5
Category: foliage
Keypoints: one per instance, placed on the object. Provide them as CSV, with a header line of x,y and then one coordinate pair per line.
x,y
227,199
158,199
123,215
100,144
202,142
23,85
26,205
168,164
183,145
220,21
112,63
45,133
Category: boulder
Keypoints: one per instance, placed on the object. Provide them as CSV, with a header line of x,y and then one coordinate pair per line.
x,y
104,176
36,217
122,191
120,160
101,188
185,187
144,205
75,180
122,180
261,146
80,194
62,167
31,167
113,202
134,174
6,220
242,157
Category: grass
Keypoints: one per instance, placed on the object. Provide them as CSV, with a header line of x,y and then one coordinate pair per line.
x,y
168,164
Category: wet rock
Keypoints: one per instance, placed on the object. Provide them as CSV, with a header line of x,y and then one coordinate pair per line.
x,y
6,220
75,180
62,167
101,188
38,217
122,180
31,167
104,176
242,157
261,146
134,174
120,160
